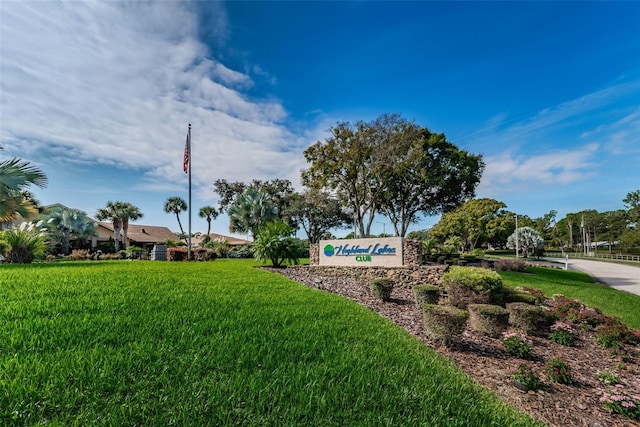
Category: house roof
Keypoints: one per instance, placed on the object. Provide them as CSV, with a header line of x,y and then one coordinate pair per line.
x,y
233,241
144,233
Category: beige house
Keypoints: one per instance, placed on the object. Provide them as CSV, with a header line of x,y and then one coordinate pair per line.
x,y
143,236
233,241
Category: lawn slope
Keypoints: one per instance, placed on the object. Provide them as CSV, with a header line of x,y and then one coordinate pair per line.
x,y
211,344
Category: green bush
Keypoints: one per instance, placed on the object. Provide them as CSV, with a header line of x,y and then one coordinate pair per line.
x,y
274,242
25,242
244,251
558,371
472,285
511,295
444,323
381,288
562,333
526,317
614,333
525,378
517,345
426,294
491,320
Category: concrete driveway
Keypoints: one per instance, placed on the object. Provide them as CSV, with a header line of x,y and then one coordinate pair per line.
x,y
618,276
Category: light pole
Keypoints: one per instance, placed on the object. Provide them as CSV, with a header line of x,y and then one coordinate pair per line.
x,y
517,246
384,224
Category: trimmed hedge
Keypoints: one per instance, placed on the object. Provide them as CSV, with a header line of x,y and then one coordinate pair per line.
x,y
426,294
490,320
472,285
444,323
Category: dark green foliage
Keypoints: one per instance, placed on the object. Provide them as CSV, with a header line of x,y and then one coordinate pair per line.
x,y
512,295
244,251
472,285
426,294
558,371
517,345
525,378
381,288
613,334
491,320
525,317
444,323
274,242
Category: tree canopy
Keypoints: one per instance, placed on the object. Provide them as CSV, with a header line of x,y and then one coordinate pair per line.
x,y
391,166
15,176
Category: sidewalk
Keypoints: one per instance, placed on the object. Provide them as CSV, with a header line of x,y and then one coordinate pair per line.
x,y
618,276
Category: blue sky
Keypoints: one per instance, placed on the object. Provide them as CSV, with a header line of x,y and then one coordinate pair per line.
x,y
99,94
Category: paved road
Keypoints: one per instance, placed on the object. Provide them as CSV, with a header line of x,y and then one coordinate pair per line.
x,y
618,276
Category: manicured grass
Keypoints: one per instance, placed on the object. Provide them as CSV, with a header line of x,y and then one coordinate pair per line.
x,y
218,343
582,287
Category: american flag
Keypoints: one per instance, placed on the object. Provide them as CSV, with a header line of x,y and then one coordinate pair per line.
x,y
185,161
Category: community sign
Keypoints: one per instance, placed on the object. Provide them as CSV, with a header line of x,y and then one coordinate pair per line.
x,y
376,252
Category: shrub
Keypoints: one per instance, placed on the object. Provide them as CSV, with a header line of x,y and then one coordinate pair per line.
x,y
519,296
177,254
381,288
510,265
614,333
472,285
426,294
525,378
516,345
562,333
274,242
491,320
204,254
244,251
25,242
608,378
558,371
591,317
566,308
525,317
444,323
617,400
78,255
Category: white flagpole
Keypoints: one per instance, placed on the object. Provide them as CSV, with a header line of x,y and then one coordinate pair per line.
x,y
190,160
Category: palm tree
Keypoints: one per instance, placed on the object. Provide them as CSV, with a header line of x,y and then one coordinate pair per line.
x,y
65,225
128,212
15,176
250,210
176,205
113,211
208,212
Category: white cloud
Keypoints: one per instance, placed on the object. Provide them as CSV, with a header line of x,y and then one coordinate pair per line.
x,y
116,83
508,172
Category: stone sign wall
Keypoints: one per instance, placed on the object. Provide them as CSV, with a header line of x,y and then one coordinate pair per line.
x,y
411,254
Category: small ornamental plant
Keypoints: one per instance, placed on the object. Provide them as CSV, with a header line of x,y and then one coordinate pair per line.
x,y
525,378
381,288
618,400
608,378
614,333
562,333
517,345
558,371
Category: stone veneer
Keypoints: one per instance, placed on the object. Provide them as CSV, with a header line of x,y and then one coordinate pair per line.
x,y
403,276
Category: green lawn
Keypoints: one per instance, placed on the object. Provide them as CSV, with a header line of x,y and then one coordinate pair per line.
x,y
582,287
217,343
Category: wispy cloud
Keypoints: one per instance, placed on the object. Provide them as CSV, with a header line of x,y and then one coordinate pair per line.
x,y
116,83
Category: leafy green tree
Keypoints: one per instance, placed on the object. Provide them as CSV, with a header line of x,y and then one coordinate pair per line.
x,y
344,165
476,221
210,213
421,235
274,242
15,176
279,191
176,205
391,166
128,212
67,225
112,212
615,225
317,212
250,211
529,241
632,203
420,171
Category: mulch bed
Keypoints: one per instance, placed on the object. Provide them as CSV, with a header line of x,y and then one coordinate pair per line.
x,y
484,359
